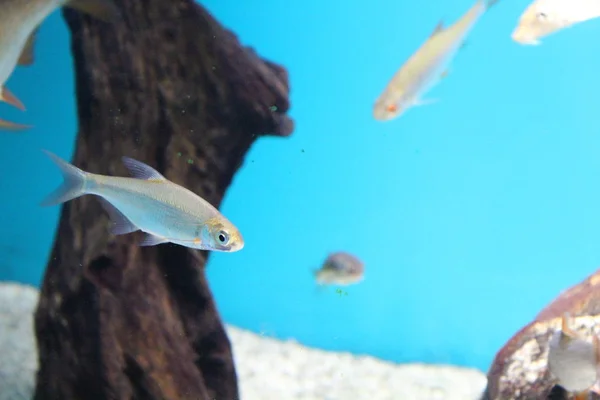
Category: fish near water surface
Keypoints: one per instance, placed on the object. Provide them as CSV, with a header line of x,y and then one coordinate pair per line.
x,y
19,23
340,268
574,361
427,66
545,17
149,202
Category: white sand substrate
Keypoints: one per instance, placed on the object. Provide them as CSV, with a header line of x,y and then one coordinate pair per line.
x,y
268,369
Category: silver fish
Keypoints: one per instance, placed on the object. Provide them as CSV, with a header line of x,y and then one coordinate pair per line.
x,y
341,269
545,17
574,361
427,66
19,24
149,202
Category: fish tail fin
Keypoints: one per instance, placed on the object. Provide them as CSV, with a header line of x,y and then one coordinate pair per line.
x,y
104,10
74,182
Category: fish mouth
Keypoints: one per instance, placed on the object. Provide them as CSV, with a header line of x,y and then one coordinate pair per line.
x,y
380,115
232,248
523,38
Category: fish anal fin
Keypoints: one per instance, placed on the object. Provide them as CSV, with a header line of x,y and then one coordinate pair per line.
x,y
13,126
438,28
121,225
139,170
152,240
104,10
26,57
9,98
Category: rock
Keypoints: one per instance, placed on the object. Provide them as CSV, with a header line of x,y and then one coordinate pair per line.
x,y
268,369
169,86
519,370
18,362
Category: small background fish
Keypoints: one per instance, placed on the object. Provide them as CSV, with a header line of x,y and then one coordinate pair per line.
x,y
427,66
545,17
340,268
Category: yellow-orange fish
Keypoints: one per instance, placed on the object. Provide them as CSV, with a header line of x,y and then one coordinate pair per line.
x,y
426,66
19,23
545,17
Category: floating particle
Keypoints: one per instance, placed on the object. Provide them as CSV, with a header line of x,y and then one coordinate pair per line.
x,y
273,108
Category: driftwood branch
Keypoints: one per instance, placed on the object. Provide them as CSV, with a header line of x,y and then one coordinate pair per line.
x,y
169,86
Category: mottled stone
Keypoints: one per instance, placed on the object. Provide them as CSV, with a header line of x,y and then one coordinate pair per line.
x,y
18,360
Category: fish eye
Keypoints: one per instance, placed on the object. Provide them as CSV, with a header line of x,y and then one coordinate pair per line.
x,y
542,15
223,237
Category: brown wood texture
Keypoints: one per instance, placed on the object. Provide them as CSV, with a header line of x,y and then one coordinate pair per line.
x,y
169,86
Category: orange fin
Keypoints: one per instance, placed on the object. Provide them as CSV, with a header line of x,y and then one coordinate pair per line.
x,y
11,99
566,325
596,343
13,126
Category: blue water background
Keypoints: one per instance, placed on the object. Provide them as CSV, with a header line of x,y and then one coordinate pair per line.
x,y
471,214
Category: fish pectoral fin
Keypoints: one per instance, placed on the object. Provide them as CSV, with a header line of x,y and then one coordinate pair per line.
x,y
13,126
121,225
152,240
424,102
9,98
26,57
139,170
104,10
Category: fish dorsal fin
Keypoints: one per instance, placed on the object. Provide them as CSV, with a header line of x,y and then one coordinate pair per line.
x,y
139,170
438,28
26,57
